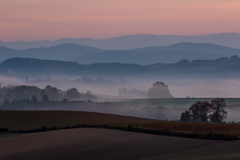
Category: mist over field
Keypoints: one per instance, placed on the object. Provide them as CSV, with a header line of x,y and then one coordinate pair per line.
x,y
187,92
89,75
10,81
188,71
227,88
179,88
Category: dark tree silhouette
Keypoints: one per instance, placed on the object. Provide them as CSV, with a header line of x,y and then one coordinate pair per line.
x,y
219,110
45,98
20,92
159,90
185,117
52,92
202,111
73,94
34,100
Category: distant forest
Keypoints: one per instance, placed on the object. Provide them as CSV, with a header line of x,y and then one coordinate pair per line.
x,y
26,94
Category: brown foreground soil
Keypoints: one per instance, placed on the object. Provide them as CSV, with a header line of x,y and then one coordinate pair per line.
x,y
21,120
97,143
100,143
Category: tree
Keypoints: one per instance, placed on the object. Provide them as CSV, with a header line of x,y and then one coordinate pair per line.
x,y
20,92
34,100
185,117
219,110
203,111
73,94
159,90
45,98
199,111
88,96
52,92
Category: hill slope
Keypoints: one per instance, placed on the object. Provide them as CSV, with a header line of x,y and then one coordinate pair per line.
x,y
159,54
21,67
144,56
60,52
96,144
134,41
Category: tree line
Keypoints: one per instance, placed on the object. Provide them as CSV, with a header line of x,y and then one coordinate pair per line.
x,y
49,93
205,111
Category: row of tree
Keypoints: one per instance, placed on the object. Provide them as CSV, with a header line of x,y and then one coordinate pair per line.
x,y
157,90
53,93
205,111
25,102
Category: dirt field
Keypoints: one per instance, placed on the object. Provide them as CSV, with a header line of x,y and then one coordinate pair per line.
x,y
96,143
99,143
36,119
29,120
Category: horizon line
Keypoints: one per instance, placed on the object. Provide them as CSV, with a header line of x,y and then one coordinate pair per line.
x,y
125,35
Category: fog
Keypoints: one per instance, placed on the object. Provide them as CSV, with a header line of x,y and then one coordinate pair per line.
x,y
108,89
5,81
179,88
227,88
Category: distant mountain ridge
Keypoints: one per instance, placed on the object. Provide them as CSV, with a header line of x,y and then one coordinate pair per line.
x,y
160,54
24,67
133,41
191,47
65,52
144,56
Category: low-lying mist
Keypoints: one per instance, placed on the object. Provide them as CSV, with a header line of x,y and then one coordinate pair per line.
x,y
179,87
227,88
5,81
108,90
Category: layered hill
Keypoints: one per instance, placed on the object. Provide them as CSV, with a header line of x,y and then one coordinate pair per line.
x,y
134,41
65,52
160,54
144,56
22,67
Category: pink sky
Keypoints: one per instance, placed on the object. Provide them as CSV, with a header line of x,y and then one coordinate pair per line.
x,y
54,19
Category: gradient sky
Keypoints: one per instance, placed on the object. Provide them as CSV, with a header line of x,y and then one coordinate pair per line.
x,y
54,19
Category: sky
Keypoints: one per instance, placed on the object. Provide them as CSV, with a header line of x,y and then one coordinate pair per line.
x,y
54,19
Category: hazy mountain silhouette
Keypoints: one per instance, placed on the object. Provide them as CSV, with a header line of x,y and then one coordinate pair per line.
x,y
22,67
134,41
144,56
66,51
192,47
159,54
